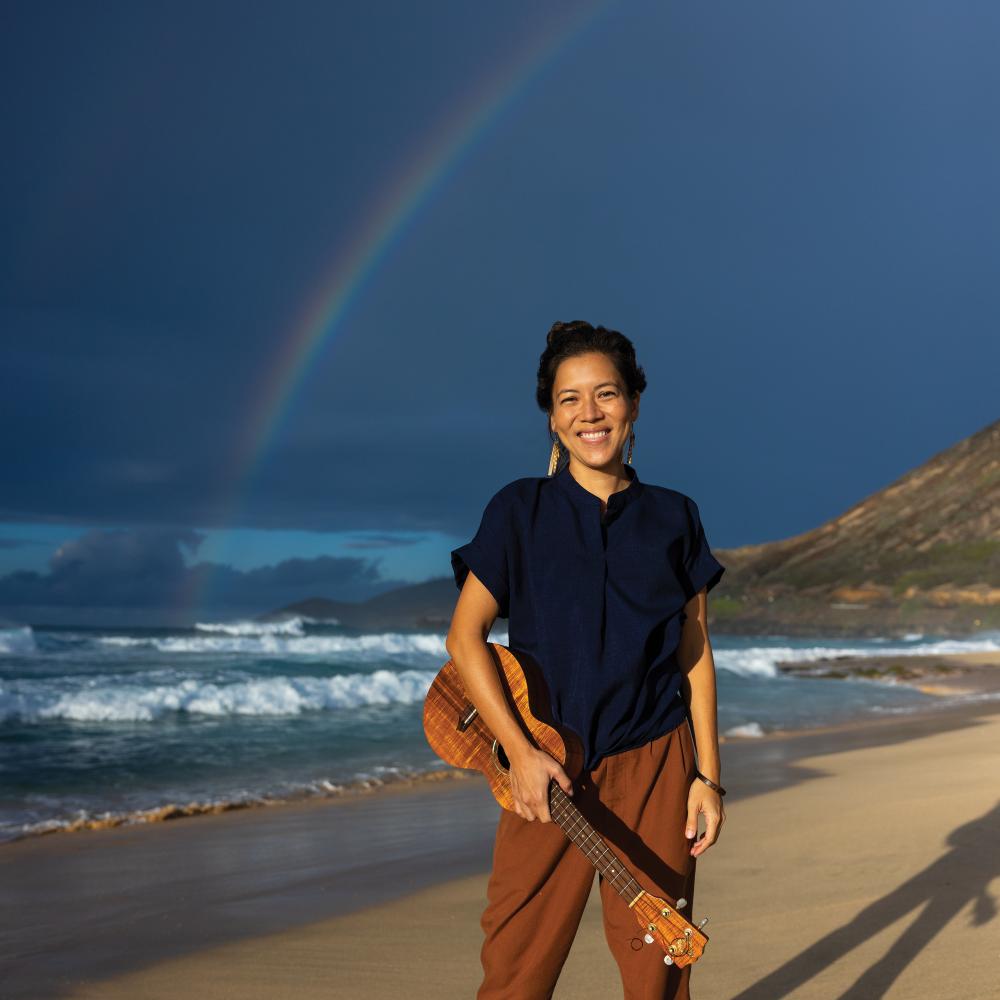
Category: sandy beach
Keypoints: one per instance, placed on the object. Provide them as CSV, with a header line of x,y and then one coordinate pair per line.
x,y
856,861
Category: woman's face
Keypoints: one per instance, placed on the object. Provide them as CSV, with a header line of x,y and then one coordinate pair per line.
x,y
588,397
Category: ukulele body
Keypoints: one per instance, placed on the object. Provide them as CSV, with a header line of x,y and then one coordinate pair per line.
x,y
460,737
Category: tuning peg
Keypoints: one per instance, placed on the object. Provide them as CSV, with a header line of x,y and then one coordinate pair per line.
x,y
667,960
704,921
649,939
681,903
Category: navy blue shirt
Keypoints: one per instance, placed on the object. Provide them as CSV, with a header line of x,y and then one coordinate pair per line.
x,y
596,600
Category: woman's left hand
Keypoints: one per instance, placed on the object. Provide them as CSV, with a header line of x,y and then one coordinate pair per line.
x,y
705,801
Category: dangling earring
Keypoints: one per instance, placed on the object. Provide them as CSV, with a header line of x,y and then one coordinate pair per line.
x,y
631,442
554,456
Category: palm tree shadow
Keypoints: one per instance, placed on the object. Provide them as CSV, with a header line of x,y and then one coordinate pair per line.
x,y
943,888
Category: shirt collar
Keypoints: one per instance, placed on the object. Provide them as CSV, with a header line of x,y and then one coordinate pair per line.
x,y
583,497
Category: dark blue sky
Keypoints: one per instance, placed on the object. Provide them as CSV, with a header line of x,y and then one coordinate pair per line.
x,y
791,208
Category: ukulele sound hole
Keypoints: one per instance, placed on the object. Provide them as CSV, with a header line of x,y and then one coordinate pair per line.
x,y
500,756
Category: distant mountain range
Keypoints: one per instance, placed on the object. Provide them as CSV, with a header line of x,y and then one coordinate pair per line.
x,y
920,555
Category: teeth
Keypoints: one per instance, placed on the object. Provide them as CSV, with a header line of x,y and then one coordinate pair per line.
x,y
593,435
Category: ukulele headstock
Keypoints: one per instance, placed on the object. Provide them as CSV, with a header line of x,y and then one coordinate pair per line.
x,y
681,941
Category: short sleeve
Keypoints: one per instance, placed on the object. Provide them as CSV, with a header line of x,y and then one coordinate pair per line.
x,y
701,568
486,555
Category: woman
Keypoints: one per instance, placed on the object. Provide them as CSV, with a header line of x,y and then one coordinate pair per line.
x,y
604,580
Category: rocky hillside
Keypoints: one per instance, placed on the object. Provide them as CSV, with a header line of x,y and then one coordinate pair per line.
x,y
920,555
923,553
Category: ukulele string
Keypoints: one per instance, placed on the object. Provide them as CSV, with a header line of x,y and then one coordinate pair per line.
x,y
611,866
630,887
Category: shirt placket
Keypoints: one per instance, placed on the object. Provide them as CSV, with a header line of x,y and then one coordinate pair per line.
x,y
604,522
599,541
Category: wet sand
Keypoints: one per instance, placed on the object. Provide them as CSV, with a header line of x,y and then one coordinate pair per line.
x,y
857,858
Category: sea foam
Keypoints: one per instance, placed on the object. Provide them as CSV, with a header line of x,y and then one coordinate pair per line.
x,y
761,661
288,626
107,699
747,729
364,648
17,641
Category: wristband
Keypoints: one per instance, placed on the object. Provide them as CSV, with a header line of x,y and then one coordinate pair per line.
x,y
711,784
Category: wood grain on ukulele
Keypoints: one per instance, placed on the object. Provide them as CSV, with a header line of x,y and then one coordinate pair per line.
x,y
459,737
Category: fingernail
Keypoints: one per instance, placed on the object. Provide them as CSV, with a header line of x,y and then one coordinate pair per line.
x,y
689,833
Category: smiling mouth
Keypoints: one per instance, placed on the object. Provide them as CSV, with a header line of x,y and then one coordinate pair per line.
x,y
593,436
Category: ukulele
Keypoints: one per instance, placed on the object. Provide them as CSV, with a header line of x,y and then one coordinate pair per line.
x,y
458,735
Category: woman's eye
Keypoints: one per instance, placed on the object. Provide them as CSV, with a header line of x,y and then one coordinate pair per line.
x,y
606,392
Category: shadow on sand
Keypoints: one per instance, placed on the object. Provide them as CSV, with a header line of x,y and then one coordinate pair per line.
x,y
959,877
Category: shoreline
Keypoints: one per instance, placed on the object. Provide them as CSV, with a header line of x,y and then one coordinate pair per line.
x,y
166,894
306,898
170,811
950,678
942,674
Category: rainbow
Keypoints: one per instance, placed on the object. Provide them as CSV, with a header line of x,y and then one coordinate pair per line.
x,y
445,147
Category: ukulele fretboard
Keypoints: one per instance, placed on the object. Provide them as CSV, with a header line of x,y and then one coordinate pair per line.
x,y
564,811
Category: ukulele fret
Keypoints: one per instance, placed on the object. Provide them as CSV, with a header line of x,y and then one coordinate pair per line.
x,y
608,863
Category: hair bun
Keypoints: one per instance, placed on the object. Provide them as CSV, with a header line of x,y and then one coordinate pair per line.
x,y
560,332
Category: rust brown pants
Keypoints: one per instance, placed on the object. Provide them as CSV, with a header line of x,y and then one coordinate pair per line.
x,y
540,882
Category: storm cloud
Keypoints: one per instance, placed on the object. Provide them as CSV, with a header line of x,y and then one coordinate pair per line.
x,y
146,569
789,213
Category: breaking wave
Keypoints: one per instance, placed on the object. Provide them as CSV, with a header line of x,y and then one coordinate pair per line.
x,y
107,699
373,647
17,641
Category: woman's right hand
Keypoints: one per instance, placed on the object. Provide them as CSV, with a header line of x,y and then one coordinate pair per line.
x,y
530,773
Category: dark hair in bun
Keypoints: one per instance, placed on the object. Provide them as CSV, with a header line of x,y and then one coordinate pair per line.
x,y
566,340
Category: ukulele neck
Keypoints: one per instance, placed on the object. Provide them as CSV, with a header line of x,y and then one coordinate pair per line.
x,y
563,811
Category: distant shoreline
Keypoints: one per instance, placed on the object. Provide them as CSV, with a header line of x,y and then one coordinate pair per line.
x,y
944,674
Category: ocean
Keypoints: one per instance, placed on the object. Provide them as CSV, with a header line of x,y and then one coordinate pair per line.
x,y
111,724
